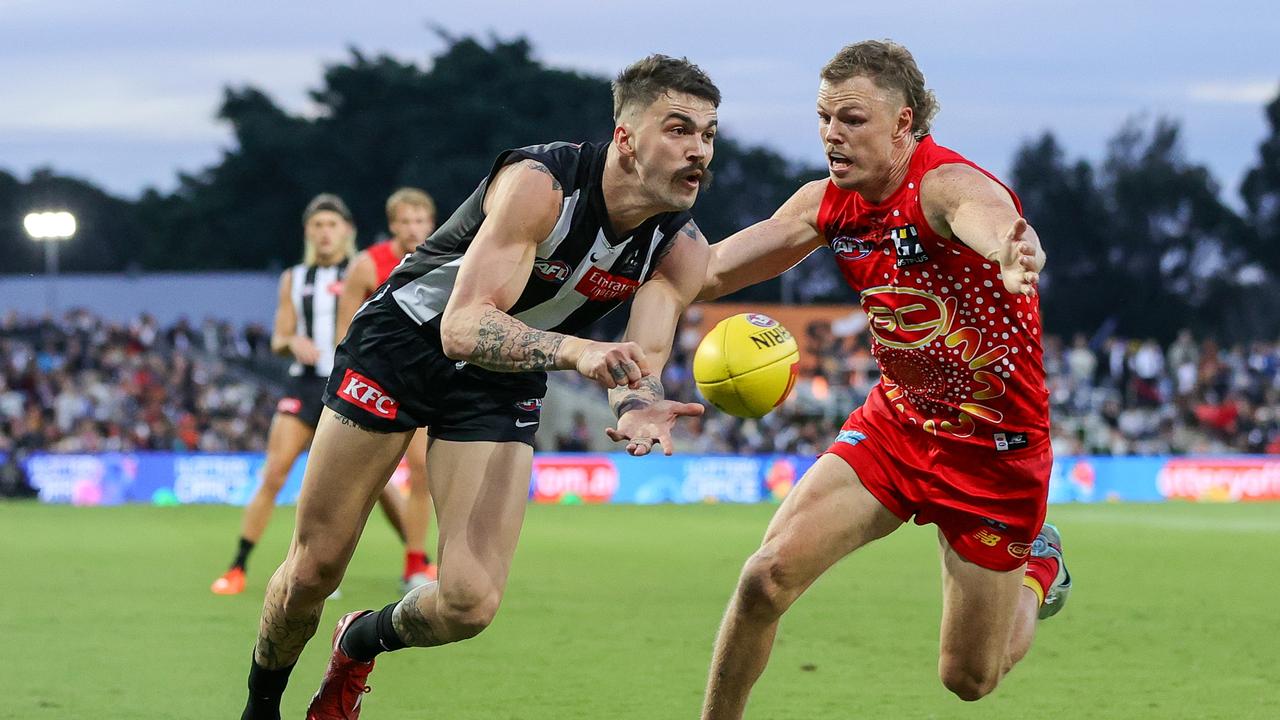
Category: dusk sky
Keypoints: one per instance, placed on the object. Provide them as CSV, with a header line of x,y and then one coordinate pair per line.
x,y
124,93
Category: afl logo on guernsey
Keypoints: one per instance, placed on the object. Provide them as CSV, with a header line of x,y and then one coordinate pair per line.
x,y
850,248
556,271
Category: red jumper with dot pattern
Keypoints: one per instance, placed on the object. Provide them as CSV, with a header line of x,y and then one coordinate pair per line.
x,y
960,357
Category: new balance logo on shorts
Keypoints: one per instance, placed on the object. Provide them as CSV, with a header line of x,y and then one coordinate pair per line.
x,y
1010,441
365,393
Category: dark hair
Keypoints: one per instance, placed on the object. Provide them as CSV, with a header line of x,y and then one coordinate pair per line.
x,y
646,80
891,67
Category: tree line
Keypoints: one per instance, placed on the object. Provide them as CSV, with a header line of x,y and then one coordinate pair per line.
x,y
1141,243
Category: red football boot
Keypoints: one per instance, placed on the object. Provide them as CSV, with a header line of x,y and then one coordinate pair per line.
x,y
344,684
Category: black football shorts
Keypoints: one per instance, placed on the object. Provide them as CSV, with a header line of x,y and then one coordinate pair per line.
x,y
391,375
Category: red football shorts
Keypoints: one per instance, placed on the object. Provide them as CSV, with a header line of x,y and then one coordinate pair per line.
x,y
988,504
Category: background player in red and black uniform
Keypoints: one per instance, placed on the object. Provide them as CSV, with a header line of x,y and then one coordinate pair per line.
x,y
956,433
305,329
411,217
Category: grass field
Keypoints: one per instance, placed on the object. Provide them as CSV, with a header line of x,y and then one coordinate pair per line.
x,y
106,613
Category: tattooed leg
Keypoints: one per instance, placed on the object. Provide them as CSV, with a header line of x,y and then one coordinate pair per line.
x,y
284,629
346,471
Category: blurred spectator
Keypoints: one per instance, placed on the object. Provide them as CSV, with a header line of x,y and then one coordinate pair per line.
x,y
85,385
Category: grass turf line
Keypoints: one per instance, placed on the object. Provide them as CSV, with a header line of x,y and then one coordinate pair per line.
x,y
611,612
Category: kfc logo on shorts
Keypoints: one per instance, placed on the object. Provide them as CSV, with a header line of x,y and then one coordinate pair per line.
x,y
759,320
365,393
289,406
1019,550
556,271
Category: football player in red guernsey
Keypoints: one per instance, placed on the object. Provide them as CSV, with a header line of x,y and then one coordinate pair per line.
x,y
957,432
411,217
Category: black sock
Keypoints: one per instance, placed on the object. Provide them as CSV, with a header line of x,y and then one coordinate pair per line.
x,y
266,687
372,634
242,555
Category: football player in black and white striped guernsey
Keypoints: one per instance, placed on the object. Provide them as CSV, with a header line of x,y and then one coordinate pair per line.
x,y
460,339
305,329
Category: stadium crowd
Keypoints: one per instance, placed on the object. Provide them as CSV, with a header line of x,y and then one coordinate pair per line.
x,y
1108,396
83,384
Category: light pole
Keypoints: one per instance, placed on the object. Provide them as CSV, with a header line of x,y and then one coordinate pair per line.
x,y
50,228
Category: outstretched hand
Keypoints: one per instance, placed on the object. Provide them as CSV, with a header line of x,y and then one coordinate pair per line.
x,y
645,426
1017,258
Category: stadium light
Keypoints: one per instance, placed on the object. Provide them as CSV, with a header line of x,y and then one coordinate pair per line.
x,y
50,228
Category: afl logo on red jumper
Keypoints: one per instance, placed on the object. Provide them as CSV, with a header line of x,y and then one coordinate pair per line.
x,y
850,248
556,271
365,394
759,320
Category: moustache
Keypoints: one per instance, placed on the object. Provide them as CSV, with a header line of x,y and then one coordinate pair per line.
x,y
704,178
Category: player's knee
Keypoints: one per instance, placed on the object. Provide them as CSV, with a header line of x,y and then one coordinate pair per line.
x,y
762,589
968,682
274,473
310,578
465,612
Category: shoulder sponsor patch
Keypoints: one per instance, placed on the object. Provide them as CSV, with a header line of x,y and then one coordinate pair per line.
x,y
906,241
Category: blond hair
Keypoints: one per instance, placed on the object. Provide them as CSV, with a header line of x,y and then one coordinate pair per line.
x,y
891,67
412,197
348,245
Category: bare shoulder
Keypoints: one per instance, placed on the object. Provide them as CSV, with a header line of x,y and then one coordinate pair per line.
x,y
803,207
527,171
952,183
693,232
804,203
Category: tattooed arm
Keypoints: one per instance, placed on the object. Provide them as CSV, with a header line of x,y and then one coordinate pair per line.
x,y
644,416
521,207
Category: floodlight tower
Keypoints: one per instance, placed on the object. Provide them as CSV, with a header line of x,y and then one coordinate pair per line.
x,y
50,227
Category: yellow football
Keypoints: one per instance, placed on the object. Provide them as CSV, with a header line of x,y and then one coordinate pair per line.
x,y
746,365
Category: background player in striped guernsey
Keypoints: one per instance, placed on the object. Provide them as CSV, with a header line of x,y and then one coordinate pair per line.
x,y
411,217
305,328
460,339
956,432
